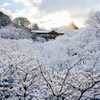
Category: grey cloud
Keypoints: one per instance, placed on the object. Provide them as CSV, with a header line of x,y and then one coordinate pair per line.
x,y
50,6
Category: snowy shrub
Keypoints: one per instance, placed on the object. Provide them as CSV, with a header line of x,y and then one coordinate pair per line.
x,y
67,68
39,39
14,33
59,55
18,71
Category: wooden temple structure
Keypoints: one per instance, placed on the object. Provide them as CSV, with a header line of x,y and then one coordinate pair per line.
x,y
46,34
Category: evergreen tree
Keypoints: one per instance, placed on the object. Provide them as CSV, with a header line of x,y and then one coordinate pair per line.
x,y
4,20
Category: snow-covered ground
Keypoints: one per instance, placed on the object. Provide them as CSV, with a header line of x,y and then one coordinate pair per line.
x,y
62,68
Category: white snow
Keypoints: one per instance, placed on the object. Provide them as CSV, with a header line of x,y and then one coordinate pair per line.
x,y
18,57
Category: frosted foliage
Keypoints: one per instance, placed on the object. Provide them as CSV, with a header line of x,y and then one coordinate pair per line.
x,y
22,21
4,20
94,19
67,68
14,33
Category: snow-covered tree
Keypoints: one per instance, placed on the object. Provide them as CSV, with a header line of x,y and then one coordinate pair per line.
x,y
21,21
67,68
14,33
18,71
35,27
94,19
4,20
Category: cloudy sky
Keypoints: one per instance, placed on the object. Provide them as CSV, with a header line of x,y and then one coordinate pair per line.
x,y
50,13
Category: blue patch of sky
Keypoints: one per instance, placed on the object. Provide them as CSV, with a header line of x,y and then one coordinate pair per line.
x,y
13,6
37,15
2,2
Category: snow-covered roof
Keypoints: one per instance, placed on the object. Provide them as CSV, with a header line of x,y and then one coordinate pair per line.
x,y
59,31
40,31
45,31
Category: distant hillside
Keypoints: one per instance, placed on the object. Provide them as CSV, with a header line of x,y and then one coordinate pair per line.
x,y
4,20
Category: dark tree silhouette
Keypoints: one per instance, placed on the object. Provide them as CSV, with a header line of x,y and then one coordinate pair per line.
x,y
4,20
35,27
21,21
